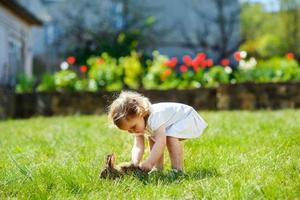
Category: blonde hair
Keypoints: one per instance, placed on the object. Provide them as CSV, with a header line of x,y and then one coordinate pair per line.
x,y
128,104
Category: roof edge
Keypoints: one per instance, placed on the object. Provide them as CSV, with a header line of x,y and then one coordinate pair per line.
x,y
21,12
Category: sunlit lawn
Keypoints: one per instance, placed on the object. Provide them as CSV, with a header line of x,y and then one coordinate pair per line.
x,y
242,155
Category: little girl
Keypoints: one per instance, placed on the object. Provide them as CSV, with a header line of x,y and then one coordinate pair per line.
x,y
165,124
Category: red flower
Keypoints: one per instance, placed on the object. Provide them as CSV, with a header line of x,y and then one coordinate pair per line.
x,y
204,64
201,56
237,56
195,63
290,56
187,60
71,60
199,59
83,68
225,62
183,68
165,74
172,62
168,72
196,68
209,62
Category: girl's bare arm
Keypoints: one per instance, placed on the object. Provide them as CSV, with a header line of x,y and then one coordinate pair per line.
x,y
137,149
158,147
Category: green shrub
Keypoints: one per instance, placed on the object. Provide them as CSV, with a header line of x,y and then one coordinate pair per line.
x,y
133,70
24,83
65,80
272,70
282,69
105,72
155,73
215,76
47,83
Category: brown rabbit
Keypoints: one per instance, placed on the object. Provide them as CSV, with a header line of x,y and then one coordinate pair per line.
x,y
112,171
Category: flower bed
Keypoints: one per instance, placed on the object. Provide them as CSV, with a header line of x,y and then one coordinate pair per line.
x,y
111,74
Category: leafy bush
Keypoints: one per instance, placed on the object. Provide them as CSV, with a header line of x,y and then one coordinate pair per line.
x,y
47,83
65,80
272,70
105,72
283,69
156,73
24,83
215,76
133,70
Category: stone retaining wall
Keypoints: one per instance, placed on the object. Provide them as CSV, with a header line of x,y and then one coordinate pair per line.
x,y
7,105
248,96
96,103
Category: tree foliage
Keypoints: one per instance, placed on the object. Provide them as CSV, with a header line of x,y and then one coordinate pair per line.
x,y
93,27
269,34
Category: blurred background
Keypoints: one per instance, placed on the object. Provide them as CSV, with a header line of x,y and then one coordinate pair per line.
x,y
110,45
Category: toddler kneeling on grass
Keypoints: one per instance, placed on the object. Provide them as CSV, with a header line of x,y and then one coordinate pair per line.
x,y
164,124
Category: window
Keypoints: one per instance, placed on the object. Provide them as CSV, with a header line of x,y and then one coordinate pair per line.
x,y
50,33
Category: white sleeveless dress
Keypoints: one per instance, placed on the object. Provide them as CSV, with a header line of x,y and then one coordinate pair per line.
x,y
179,120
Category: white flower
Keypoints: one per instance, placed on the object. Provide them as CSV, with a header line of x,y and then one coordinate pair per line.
x,y
253,61
92,85
243,54
64,65
242,63
228,70
247,65
233,81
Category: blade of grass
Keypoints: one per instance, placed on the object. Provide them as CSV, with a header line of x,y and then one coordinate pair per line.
x,y
23,170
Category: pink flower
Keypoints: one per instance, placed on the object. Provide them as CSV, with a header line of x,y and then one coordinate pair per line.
x,y
83,68
183,68
225,62
71,60
290,56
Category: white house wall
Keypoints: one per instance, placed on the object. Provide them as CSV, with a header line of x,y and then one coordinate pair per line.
x,y
12,26
39,45
3,58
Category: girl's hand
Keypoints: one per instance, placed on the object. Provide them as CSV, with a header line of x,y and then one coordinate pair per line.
x,y
145,166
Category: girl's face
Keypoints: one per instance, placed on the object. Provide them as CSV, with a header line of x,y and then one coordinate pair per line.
x,y
135,125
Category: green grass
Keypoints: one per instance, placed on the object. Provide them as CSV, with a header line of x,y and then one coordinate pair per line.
x,y
242,155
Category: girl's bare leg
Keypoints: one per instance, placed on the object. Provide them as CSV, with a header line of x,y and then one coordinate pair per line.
x,y
160,163
176,152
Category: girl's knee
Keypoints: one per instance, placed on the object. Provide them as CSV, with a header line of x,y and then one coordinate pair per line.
x,y
172,141
174,145
170,138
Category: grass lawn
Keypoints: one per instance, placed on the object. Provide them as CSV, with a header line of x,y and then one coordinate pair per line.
x,y
242,155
